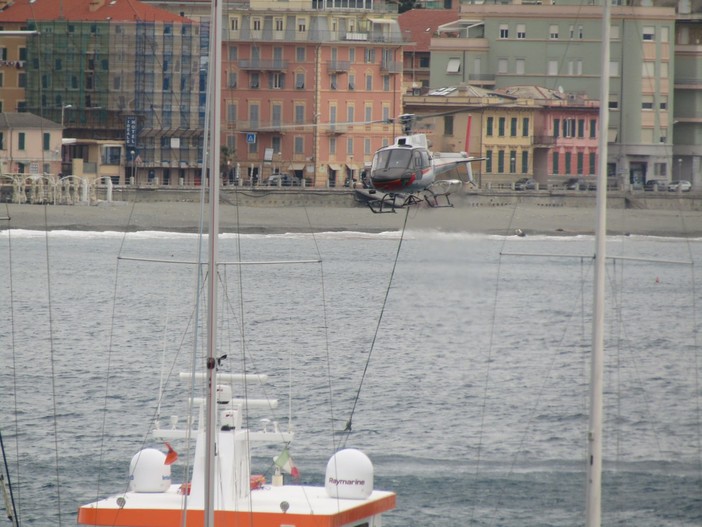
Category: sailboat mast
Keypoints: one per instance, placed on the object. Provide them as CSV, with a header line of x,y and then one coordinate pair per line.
x,y
593,516
215,69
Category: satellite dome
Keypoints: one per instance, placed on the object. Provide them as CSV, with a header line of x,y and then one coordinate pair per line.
x,y
349,475
148,471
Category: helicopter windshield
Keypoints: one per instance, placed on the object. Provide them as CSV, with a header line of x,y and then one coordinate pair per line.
x,y
392,158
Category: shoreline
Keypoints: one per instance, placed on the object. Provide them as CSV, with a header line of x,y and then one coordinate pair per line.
x,y
500,220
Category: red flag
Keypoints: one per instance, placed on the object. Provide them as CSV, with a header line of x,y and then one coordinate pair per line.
x,y
171,456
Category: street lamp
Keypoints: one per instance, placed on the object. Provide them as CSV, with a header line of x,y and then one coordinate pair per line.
x,y
63,112
133,179
679,168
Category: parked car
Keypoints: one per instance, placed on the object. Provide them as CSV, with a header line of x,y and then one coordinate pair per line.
x,y
682,185
525,184
655,184
578,183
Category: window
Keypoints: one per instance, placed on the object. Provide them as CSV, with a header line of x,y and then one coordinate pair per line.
x,y
648,33
504,31
525,162
352,55
2,141
3,53
349,146
501,161
352,81
575,67
580,163
278,23
276,142
448,124
647,102
553,67
21,141
22,80
386,113
512,161
231,113
233,53
300,54
593,128
332,81
46,141
276,114
664,102
568,127
370,56
254,81
112,155
613,104
254,113
581,128
555,163
256,24
525,127
332,145
592,159
489,125
277,80
502,65
567,162
299,81
521,31
556,127
232,79
454,65
501,126
614,68
367,146
299,145
350,113
553,32
299,114
301,25
386,82
488,161
369,82
368,112
519,66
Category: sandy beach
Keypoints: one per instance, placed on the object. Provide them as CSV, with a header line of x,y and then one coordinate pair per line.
x,y
505,219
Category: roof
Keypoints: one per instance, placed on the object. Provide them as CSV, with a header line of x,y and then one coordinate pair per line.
x,y
25,120
421,24
84,10
539,93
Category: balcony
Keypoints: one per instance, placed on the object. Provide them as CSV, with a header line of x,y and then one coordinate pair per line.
x,y
263,65
338,66
391,66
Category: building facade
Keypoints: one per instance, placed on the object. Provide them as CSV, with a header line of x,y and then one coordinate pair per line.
x,y
558,47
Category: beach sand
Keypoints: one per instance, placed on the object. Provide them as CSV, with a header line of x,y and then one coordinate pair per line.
x,y
506,219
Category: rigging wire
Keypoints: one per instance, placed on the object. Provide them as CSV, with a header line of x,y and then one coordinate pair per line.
x,y
15,509
348,427
52,362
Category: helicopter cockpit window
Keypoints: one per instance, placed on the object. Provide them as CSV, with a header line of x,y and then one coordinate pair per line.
x,y
399,158
416,159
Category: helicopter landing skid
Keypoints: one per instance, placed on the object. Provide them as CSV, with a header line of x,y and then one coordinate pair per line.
x,y
432,199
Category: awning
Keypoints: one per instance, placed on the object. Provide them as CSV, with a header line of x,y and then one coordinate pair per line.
x,y
334,166
297,166
351,166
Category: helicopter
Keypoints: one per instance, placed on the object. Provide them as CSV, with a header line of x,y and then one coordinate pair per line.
x,y
408,173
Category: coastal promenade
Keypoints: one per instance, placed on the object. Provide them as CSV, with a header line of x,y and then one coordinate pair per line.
x,y
278,211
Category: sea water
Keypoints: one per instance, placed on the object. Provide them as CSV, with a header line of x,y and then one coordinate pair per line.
x,y
460,361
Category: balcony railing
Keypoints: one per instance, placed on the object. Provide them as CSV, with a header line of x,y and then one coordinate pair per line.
x,y
391,66
263,65
338,66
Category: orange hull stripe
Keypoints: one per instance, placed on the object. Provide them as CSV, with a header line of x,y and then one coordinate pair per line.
x,y
172,518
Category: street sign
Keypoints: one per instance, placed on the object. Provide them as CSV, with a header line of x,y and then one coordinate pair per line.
x,y
250,138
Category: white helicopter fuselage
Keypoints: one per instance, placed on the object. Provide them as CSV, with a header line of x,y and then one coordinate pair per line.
x,y
408,166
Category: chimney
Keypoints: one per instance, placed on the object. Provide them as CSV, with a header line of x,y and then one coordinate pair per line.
x,y
95,5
